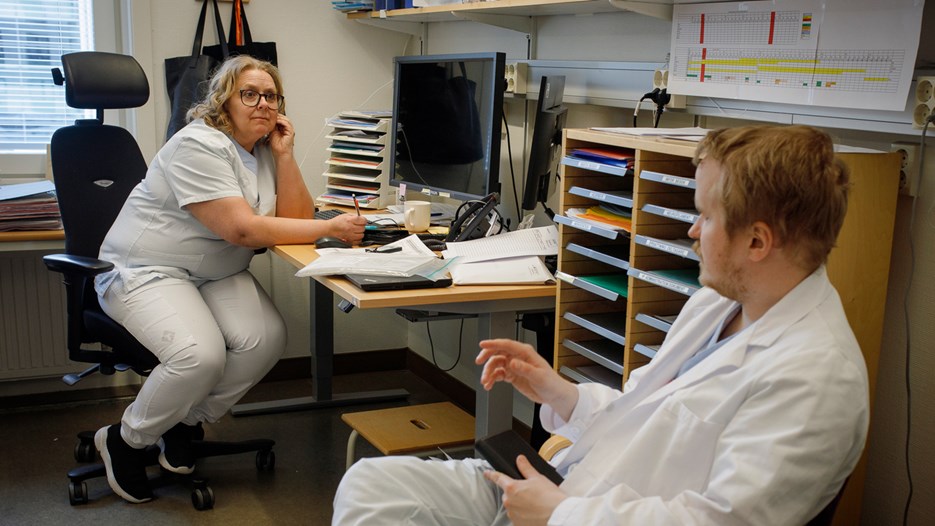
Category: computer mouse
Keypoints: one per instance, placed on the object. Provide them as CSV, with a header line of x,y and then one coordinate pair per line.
x,y
331,242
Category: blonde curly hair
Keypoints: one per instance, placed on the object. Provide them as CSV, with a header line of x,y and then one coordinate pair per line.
x,y
223,86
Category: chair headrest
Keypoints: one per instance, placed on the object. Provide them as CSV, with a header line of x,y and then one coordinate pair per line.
x,y
99,80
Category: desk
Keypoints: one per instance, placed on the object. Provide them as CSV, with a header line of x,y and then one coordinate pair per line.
x,y
494,305
23,240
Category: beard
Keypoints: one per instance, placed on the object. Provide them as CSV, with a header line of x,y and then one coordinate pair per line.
x,y
729,282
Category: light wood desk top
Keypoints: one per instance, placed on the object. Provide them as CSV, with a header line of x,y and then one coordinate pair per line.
x,y
301,255
32,235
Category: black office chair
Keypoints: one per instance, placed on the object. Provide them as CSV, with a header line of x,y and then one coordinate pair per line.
x,y
95,167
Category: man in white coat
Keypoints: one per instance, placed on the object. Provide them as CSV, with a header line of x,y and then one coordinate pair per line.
x,y
754,411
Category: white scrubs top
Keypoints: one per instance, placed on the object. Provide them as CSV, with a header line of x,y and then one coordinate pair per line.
x,y
155,235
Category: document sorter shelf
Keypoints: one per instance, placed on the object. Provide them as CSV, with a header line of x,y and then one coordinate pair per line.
x,y
614,255
592,374
596,167
608,286
610,325
622,198
647,350
686,215
674,180
602,352
586,226
678,247
347,165
683,281
662,323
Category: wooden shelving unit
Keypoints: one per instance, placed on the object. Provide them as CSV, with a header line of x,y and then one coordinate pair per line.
x,y
662,210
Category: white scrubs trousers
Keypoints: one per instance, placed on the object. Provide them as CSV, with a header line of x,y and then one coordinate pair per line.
x,y
214,341
401,490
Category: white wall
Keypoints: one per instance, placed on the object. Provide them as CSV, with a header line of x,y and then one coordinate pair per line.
x,y
331,64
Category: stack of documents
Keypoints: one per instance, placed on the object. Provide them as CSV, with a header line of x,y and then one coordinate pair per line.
x,y
29,206
504,259
349,7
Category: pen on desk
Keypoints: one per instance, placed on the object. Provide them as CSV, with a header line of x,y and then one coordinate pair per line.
x,y
356,204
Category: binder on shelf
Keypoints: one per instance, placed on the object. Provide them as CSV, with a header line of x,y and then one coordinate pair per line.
x,y
608,286
678,247
674,180
683,281
610,325
596,166
619,198
657,321
648,351
592,227
685,215
602,352
593,374
614,255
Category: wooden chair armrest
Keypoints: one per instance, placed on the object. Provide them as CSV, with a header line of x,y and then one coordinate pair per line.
x,y
553,445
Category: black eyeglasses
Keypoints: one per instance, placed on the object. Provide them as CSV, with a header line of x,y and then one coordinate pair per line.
x,y
251,98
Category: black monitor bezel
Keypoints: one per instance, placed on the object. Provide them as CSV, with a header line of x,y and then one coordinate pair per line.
x,y
491,146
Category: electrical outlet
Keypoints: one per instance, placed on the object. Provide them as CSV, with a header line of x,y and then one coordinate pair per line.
x,y
909,167
925,100
515,75
661,81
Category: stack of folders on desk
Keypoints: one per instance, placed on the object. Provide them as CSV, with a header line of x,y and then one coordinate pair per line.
x,y
513,258
29,206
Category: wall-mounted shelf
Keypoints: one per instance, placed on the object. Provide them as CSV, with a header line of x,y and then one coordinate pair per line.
x,y
483,11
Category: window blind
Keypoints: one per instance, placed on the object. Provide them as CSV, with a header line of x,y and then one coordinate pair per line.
x,y
34,34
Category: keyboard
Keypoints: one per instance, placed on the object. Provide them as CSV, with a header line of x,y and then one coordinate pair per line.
x,y
328,214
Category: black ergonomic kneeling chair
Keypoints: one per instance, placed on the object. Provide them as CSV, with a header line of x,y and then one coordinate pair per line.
x,y
95,167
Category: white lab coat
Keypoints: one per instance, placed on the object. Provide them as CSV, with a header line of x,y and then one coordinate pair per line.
x,y
763,431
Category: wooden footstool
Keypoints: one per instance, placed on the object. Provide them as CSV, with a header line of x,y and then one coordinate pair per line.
x,y
412,430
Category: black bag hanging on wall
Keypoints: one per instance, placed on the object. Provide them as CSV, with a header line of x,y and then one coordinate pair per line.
x,y
240,41
187,77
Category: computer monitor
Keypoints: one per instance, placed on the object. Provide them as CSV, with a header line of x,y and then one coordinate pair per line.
x,y
447,113
546,142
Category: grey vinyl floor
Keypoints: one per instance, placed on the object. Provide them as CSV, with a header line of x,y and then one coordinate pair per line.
x,y
37,450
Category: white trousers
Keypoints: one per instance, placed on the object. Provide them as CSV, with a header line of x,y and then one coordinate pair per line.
x,y
399,491
214,341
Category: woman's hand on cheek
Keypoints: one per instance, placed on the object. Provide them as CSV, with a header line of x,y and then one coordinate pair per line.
x,y
282,137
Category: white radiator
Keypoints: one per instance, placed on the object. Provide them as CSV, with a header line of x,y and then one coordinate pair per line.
x,y
32,319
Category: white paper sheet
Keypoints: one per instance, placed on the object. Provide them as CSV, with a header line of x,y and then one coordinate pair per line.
x,y
524,270
541,241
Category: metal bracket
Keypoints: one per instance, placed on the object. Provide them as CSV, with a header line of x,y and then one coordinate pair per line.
x,y
661,11
411,28
521,24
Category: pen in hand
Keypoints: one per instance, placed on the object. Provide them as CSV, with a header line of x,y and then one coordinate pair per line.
x,y
356,204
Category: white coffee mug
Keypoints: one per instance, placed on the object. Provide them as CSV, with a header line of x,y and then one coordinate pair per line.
x,y
417,215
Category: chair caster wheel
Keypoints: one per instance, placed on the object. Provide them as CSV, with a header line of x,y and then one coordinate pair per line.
x,y
85,452
77,493
265,460
202,497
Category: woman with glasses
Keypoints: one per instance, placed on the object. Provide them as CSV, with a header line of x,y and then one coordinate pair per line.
x,y
223,186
